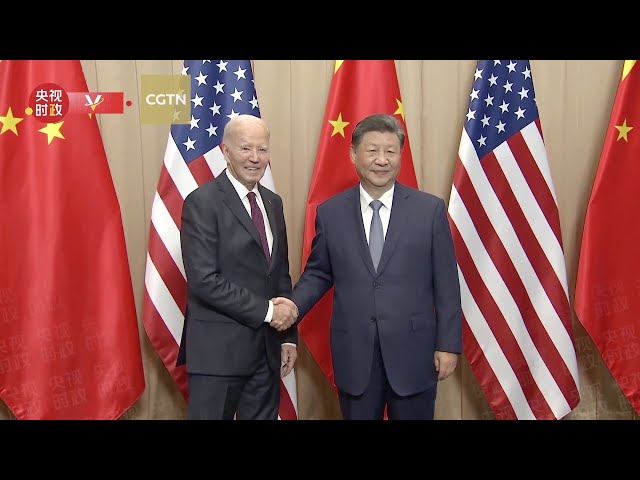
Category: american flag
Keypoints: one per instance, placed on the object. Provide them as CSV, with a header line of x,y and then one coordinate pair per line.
x,y
220,91
503,213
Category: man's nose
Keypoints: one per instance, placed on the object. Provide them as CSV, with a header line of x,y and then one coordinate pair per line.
x,y
381,159
253,156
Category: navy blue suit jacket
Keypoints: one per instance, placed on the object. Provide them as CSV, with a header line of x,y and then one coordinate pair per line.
x,y
414,298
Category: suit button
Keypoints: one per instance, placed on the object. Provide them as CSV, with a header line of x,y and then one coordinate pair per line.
x,y
376,285
268,277
373,318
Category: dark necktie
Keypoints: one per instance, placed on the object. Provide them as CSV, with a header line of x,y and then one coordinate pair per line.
x,y
258,220
376,236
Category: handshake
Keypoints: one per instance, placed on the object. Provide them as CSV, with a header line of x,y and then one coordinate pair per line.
x,y
285,313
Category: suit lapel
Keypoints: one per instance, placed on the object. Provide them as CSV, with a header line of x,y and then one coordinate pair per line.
x,y
363,247
232,200
397,221
273,221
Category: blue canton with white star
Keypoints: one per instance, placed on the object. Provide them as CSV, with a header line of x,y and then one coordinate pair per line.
x,y
220,91
502,103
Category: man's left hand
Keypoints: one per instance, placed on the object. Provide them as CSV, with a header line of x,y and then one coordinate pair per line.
x,y
289,356
445,363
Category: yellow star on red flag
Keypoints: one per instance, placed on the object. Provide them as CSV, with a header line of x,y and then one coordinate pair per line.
x,y
400,109
338,125
623,130
9,122
52,130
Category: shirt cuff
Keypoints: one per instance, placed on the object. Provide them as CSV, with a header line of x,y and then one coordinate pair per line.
x,y
269,315
292,344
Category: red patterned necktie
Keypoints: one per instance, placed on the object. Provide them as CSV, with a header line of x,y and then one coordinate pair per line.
x,y
258,220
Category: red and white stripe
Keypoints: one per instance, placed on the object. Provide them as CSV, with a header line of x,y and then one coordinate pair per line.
x,y
517,331
165,280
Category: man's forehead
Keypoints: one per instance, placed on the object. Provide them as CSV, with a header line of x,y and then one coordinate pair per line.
x,y
380,138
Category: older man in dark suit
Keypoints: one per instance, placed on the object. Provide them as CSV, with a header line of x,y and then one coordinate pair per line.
x,y
387,248
234,247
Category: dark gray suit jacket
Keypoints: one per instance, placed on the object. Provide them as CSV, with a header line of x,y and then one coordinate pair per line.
x,y
414,298
229,282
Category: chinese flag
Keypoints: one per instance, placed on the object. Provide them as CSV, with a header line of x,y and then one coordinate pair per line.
x,y
69,342
359,88
607,299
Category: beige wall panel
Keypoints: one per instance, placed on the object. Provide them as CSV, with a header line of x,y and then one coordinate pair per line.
x,y
273,90
176,67
5,413
165,400
90,74
436,142
474,405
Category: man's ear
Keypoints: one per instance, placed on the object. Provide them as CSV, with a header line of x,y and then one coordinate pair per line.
x,y
352,154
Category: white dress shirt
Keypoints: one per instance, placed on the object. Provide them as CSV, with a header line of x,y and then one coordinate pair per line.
x,y
367,212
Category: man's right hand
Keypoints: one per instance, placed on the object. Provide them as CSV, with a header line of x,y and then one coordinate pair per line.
x,y
285,313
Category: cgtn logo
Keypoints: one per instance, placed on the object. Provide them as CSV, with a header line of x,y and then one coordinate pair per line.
x,y
165,99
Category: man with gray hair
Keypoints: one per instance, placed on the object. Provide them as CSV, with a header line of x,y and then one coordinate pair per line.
x,y
235,341
396,326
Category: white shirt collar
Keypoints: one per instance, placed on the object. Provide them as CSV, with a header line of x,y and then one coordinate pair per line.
x,y
240,188
386,198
